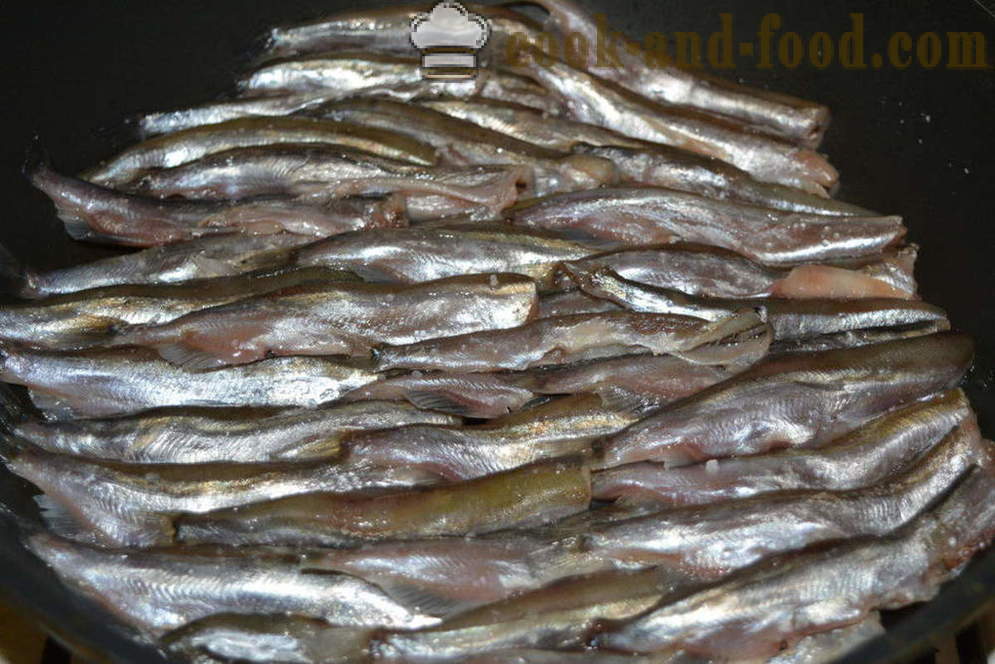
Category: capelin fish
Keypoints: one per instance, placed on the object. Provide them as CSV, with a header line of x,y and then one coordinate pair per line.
x,y
89,318
109,383
572,302
97,214
807,399
561,615
717,538
755,613
596,101
625,63
482,396
832,645
461,143
267,639
640,162
719,273
864,457
562,427
650,216
426,253
521,498
161,590
172,436
322,173
553,341
791,320
337,318
131,505
185,146
204,258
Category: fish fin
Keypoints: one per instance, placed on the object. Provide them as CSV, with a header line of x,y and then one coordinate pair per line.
x,y
421,600
78,229
15,277
61,521
188,359
435,401
52,406
11,409
621,400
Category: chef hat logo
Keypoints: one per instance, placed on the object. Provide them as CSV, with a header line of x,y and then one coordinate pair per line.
x,y
449,37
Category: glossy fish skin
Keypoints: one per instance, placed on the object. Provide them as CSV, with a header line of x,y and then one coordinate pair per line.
x,y
717,538
593,100
158,591
790,319
216,436
718,273
338,319
420,254
567,339
561,427
561,615
130,505
267,639
808,399
482,396
649,216
830,646
204,258
192,144
323,173
525,497
571,303
98,214
127,381
796,119
461,143
89,318
754,613
861,458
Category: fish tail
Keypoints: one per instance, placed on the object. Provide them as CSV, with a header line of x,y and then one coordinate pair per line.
x,y
15,277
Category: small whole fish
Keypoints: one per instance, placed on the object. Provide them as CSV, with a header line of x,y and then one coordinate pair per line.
x,y
561,427
174,436
755,613
807,399
552,341
337,318
132,505
861,458
189,145
651,216
204,258
109,383
482,396
98,214
525,497
719,273
161,590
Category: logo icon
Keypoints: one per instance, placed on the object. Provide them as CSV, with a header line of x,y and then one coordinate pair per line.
x,y
449,38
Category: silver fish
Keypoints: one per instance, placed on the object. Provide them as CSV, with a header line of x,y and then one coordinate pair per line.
x,y
753,614
833,645
89,318
159,591
122,382
132,505
98,214
559,428
733,534
714,272
185,146
863,457
807,399
483,396
521,498
338,319
598,102
461,143
217,436
572,302
204,258
552,341
650,216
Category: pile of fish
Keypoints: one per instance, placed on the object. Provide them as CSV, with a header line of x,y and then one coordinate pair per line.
x,y
556,364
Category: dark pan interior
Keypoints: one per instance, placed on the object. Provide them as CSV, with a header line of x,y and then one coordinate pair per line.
x,y
914,142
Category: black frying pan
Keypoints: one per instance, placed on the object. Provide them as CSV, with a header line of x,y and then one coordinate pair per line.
x,y
915,142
